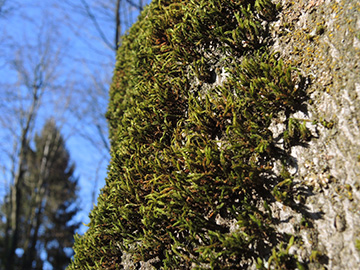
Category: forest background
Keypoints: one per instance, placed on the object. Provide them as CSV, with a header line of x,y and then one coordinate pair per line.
x,y
56,64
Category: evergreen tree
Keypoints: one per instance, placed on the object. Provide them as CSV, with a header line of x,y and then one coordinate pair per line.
x,y
48,203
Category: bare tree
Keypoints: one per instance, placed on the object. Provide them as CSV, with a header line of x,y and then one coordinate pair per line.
x,y
119,9
109,20
50,191
35,63
40,89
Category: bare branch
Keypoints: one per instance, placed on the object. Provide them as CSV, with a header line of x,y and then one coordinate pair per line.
x,y
97,26
117,25
138,6
104,140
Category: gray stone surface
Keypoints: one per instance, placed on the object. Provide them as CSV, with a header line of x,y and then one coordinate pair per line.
x,y
321,39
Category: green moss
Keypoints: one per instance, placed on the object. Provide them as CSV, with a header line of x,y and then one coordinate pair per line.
x,y
315,256
326,124
186,149
320,29
296,132
281,258
357,244
305,223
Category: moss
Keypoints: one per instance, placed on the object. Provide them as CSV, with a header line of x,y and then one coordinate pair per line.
x,y
327,124
357,245
281,258
315,256
188,151
320,29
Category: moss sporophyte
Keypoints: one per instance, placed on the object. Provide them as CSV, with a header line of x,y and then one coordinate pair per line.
x,y
190,180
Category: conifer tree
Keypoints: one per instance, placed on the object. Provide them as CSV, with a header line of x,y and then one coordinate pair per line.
x,y
48,203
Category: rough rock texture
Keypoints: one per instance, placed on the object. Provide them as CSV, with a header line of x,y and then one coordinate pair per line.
x,y
322,39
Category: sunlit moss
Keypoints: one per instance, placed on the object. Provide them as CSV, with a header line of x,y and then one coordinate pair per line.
x,y
193,95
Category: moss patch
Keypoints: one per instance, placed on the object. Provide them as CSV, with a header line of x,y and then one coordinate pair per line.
x,y
194,92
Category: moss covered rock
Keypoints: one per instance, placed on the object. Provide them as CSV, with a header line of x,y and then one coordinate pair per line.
x,y
198,159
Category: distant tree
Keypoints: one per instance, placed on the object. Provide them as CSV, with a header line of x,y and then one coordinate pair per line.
x,y
115,12
35,63
47,205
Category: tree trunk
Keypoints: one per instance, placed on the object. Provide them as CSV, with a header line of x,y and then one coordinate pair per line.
x,y
117,25
30,253
39,198
15,194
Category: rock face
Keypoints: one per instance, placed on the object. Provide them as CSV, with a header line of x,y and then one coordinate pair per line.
x,y
235,140
321,38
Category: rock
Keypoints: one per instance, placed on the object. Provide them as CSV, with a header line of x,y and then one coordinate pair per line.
x,y
329,164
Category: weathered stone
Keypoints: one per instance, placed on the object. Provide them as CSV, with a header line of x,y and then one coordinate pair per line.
x,y
329,164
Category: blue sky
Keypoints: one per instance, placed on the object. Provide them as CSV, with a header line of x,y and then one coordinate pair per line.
x,y
81,66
